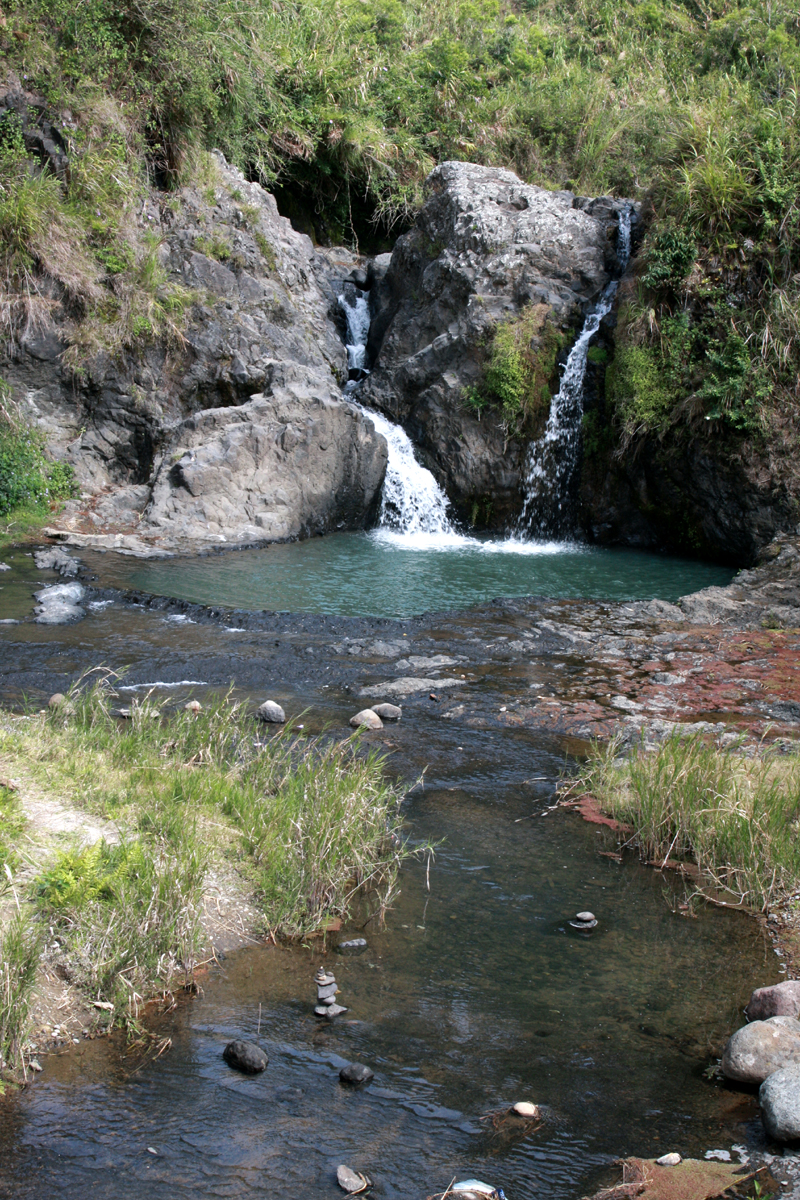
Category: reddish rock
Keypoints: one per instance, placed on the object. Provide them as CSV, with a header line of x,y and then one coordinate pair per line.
x,y
780,1000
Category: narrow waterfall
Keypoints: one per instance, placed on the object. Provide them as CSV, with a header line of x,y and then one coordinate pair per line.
x,y
553,460
412,501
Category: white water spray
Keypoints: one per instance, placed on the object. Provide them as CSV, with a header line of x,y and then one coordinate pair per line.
x,y
412,503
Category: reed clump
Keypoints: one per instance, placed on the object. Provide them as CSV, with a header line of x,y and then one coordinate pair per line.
x,y
20,947
736,817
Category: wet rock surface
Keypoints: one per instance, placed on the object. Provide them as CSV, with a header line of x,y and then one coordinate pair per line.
x,y
484,246
245,1057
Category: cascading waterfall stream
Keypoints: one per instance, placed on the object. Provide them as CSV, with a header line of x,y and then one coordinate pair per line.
x,y
412,502
548,510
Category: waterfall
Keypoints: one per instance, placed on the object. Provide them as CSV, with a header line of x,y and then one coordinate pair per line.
x,y
412,502
553,460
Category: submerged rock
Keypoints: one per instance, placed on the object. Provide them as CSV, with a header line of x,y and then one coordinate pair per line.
x,y
757,1050
474,1189
356,1073
366,719
245,1057
271,712
779,1000
779,1097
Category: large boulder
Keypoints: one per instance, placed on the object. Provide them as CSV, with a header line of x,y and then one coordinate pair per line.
x,y
780,1000
230,427
296,460
779,1097
484,247
757,1050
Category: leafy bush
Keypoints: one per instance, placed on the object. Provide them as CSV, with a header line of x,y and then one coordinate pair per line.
x,y
636,388
27,477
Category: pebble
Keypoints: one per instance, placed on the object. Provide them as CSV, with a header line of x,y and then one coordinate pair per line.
x,y
56,700
271,712
388,712
351,1181
584,920
194,706
4,567
474,1189
367,719
524,1108
356,1073
669,1160
35,1065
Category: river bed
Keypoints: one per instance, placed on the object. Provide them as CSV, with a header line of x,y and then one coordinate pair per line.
x,y
476,994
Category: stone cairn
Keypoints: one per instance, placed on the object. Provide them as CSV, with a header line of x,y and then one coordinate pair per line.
x,y
326,1005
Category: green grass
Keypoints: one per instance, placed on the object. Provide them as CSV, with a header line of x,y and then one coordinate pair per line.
x,y
20,948
30,482
736,817
344,107
308,824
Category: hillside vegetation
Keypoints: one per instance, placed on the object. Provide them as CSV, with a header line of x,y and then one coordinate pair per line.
x,y
343,107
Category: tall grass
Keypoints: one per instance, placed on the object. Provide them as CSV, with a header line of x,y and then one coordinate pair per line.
x,y
20,948
736,817
312,822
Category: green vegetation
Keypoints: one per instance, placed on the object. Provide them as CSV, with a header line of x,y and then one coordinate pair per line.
x,y
305,825
20,947
735,817
343,107
519,366
31,484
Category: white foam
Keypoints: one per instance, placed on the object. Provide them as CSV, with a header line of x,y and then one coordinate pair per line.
x,y
159,683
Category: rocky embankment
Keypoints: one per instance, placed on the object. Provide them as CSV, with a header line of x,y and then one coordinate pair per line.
x,y
237,430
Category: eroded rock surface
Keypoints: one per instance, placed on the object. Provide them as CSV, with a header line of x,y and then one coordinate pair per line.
x,y
238,420
484,247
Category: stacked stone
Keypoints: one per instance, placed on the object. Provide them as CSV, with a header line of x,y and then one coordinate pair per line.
x,y
326,1005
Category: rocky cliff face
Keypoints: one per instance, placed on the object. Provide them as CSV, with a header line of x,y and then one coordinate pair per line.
x,y
234,431
484,248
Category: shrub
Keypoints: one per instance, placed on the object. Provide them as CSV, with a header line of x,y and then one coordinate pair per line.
x,y
27,477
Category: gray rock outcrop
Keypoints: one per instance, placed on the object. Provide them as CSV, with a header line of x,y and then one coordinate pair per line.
x,y
483,248
294,461
757,1050
233,428
779,1097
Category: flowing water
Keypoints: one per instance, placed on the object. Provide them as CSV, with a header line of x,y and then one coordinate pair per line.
x,y
476,994
553,460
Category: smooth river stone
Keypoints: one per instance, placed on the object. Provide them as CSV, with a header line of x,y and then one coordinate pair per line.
x,y
366,719
388,712
271,712
780,1000
757,1050
779,1097
328,990
356,1073
245,1056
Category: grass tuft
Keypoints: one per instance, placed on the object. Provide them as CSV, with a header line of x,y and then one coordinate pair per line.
x,y
736,817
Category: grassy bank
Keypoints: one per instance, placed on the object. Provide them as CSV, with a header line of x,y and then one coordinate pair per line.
x,y
735,817
344,107
303,825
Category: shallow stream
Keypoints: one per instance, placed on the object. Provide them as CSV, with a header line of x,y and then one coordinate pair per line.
x,y
476,994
